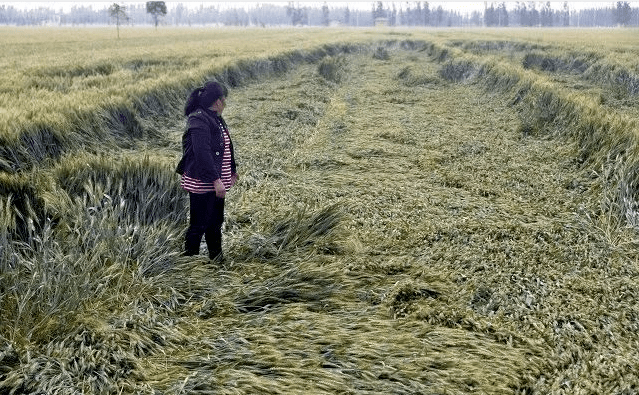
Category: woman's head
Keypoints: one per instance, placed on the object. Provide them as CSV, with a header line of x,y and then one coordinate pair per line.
x,y
205,96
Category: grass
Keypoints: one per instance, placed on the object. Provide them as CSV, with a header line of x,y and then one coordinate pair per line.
x,y
418,211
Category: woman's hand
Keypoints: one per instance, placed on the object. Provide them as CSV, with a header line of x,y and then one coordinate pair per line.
x,y
234,178
220,191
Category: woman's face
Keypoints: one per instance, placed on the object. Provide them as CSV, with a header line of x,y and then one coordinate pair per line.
x,y
218,105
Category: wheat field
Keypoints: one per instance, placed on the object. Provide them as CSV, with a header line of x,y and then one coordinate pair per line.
x,y
418,212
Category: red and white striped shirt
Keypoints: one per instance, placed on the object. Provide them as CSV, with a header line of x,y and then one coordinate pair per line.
x,y
226,160
194,185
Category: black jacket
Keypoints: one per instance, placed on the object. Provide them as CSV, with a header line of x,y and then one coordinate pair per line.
x,y
203,147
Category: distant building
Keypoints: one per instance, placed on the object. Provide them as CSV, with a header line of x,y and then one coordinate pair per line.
x,y
381,21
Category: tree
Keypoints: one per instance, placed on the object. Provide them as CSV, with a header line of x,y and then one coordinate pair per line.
x,y
546,15
534,14
439,15
118,12
489,15
156,8
623,13
180,12
325,15
378,11
566,14
476,18
496,16
503,14
426,12
393,16
296,13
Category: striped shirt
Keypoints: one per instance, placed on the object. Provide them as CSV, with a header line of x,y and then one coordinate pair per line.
x,y
194,185
226,160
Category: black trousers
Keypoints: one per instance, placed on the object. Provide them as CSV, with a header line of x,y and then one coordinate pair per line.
x,y
207,216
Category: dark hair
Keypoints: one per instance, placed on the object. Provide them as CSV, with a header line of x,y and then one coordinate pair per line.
x,y
204,96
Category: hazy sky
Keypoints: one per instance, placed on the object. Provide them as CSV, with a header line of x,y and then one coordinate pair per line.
x,y
463,6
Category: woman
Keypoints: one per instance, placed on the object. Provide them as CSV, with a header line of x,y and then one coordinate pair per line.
x,y
207,167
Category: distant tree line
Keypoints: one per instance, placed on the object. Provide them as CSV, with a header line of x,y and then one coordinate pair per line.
x,y
419,13
534,13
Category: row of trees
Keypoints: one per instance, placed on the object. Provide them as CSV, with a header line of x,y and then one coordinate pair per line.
x,y
520,13
527,14
541,14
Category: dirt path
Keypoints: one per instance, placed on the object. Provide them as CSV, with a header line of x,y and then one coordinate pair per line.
x,y
461,263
